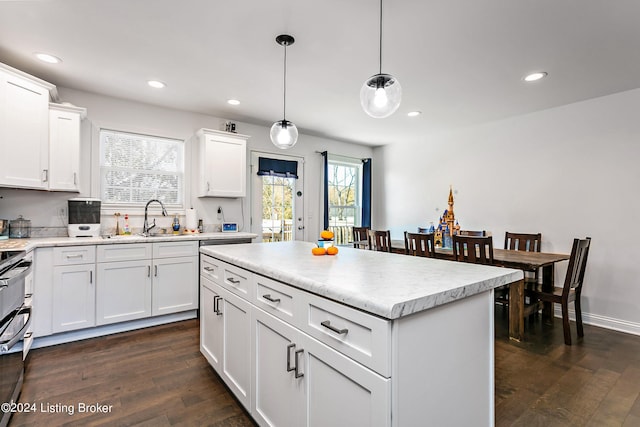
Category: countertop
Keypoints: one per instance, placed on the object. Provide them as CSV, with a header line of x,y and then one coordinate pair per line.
x,y
385,284
29,244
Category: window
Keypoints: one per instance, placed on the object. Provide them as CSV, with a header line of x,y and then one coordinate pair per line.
x,y
345,195
137,168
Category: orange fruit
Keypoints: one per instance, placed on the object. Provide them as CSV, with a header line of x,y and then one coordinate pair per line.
x,y
318,251
326,235
332,250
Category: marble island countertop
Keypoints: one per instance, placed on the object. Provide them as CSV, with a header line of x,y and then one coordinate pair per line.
x,y
384,284
41,242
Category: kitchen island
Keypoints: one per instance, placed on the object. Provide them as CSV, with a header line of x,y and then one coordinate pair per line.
x,y
360,338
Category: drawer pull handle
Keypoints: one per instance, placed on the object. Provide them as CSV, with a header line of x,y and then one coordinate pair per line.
x,y
74,256
268,298
327,324
233,281
289,367
297,371
208,268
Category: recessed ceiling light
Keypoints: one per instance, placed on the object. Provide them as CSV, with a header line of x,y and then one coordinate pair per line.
x,y
233,102
50,59
534,76
156,84
414,113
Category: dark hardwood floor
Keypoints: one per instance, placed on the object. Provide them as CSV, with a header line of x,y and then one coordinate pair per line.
x,y
157,377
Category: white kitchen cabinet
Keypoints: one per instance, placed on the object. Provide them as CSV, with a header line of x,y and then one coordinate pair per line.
x,y
24,130
175,285
140,280
210,324
222,164
64,147
74,297
299,381
123,292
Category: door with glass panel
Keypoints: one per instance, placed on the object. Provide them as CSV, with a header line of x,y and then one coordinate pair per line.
x,y
277,197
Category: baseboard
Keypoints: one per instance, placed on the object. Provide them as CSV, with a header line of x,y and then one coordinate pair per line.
x,y
603,321
115,328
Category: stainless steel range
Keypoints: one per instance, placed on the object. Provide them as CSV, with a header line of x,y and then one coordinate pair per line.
x,y
15,319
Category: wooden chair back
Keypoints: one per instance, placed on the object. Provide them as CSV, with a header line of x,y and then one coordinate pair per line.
x,y
361,237
472,233
380,240
577,266
419,244
522,242
473,249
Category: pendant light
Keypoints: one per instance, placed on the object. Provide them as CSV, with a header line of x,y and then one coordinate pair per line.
x,y
381,94
284,134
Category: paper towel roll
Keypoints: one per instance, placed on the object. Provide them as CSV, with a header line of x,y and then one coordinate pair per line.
x,y
191,222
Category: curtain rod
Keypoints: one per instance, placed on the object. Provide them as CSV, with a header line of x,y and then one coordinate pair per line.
x,y
344,157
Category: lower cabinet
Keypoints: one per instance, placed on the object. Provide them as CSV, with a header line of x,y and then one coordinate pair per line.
x,y
225,337
124,291
175,285
282,375
74,297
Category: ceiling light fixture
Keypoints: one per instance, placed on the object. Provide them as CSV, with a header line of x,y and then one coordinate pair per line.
x,y
233,102
156,84
284,134
45,57
381,94
534,76
414,113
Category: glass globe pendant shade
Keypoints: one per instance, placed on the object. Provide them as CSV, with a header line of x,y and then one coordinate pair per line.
x,y
380,95
284,134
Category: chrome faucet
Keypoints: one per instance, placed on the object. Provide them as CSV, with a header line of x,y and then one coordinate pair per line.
x,y
145,226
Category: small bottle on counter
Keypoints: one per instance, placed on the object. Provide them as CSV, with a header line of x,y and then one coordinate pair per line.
x,y
200,226
127,229
176,224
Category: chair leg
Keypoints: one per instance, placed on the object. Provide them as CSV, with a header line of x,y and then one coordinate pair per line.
x,y
565,323
579,317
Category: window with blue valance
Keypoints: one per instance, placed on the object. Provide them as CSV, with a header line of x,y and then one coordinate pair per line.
x,y
275,167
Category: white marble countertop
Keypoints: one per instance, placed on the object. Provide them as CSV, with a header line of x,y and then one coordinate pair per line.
x,y
384,284
29,244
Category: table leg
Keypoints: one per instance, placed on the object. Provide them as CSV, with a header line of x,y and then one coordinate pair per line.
x,y
516,310
547,286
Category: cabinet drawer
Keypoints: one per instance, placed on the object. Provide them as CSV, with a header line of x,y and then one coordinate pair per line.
x,y
279,300
174,249
124,252
238,281
211,269
71,255
361,336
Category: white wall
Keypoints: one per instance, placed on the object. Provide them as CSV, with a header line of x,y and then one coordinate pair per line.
x,y
102,111
566,172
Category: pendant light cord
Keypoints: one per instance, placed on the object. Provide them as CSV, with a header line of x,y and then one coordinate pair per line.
x,y
284,101
380,37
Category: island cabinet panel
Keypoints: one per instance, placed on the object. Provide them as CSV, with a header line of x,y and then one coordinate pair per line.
x,y
225,338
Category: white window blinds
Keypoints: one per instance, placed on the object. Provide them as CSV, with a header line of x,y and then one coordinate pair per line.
x,y
137,168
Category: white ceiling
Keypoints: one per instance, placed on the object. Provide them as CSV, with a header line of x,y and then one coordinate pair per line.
x,y
460,62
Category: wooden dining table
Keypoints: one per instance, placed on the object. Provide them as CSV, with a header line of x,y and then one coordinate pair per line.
x,y
521,260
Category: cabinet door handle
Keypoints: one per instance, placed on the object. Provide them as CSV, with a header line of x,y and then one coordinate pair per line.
x,y
45,175
75,178
297,369
268,298
289,367
233,281
208,186
327,324
216,305
148,271
28,335
155,271
90,276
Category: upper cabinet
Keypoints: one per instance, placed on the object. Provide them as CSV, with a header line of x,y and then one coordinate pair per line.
x,y
222,161
24,130
64,147
41,141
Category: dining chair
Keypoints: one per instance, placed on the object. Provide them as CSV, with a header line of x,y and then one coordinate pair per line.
x,y
361,237
473,249
472,233
570,291
380,240
526,242
419,244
